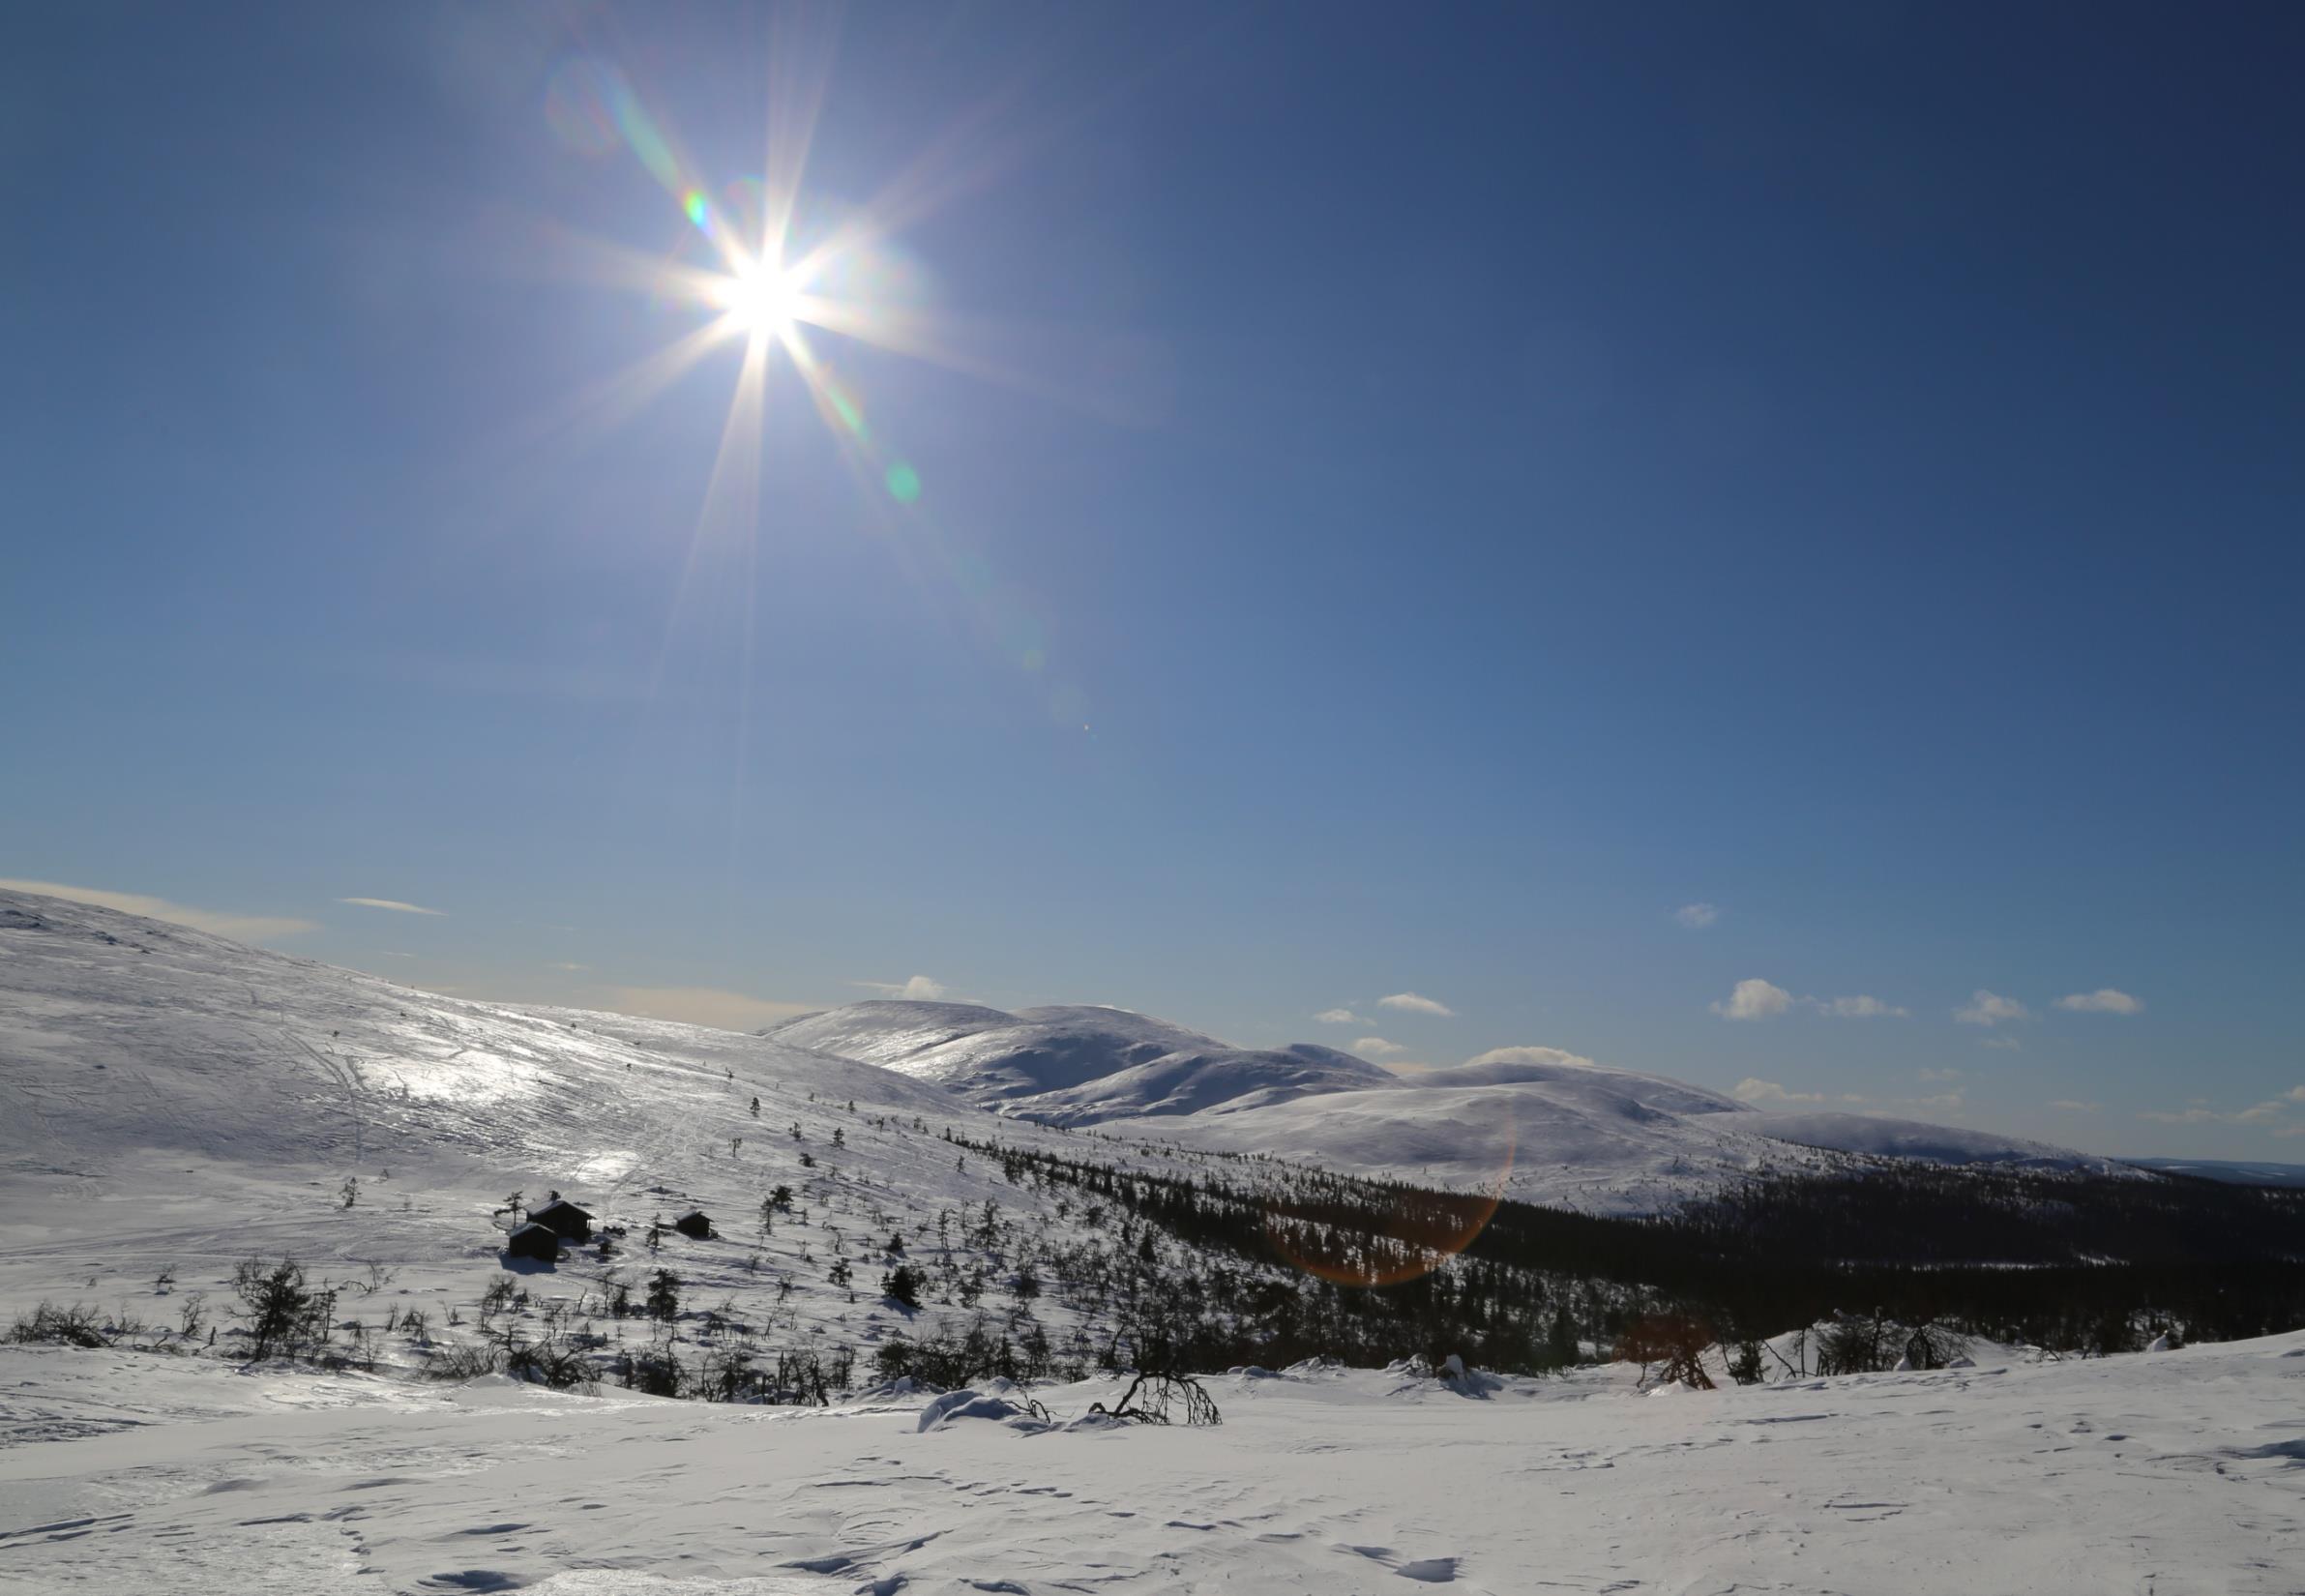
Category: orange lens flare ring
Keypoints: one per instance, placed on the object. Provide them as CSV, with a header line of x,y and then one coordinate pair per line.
x,y
1424,1231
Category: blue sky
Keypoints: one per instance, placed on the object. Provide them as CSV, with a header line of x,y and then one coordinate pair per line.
x,y
1413,505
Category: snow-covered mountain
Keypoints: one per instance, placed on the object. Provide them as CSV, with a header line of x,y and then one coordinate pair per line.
x,y
1544,1125
1071,1065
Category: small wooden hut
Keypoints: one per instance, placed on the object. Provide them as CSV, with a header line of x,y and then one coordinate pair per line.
x,y
533,1241
694,1224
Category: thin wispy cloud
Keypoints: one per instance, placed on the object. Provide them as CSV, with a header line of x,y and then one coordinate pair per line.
x,y
1529,1055
1339,1017
1697,916
1860,1007
2074,1106
1416,1003
1377,1047
2007,1044
1928,1075
391,903
1758,999
1754,1090
916,988
2179,1116
241,928
1988,1008
2104,1001
713,1006
2272,1114
1755,999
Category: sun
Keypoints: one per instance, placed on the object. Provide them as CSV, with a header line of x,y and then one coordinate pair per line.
x,y
761,301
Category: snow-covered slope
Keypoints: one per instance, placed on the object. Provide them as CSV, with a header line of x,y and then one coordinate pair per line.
x,y
2174,1473
1546,1126
172,1102
1883,1137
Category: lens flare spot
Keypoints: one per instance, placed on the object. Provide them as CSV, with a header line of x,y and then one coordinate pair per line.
x,y
699,208
579,105
903,483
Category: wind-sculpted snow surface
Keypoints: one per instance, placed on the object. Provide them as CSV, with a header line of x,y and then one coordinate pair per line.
x,y
2174,1473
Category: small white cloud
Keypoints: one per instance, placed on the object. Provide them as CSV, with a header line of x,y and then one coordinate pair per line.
x,y
1413,1003
2263,1113
2074,1106
919,989
1530,1055
704,1006
1697,916
1861,1007
1377,1047
1339,1017
2007,1044
2104,1001
1754,1000
2295,1094
241,928
1750,1090
564,965
1940,1075
2185,1117
391,903
1942,1100
1987,1008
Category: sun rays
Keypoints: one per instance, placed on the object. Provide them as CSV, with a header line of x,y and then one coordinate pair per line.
x,y
789,291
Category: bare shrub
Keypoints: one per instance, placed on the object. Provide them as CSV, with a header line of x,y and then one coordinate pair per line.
x,y
54,1324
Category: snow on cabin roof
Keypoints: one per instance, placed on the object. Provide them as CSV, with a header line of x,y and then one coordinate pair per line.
x,y
556,1205
533,1225
692,1213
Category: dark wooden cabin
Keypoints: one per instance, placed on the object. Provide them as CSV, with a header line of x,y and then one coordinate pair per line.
x,y
564,1219
533,1241
694,1224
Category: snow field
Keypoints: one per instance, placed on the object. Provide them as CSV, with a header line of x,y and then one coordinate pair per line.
x,y
2175,1472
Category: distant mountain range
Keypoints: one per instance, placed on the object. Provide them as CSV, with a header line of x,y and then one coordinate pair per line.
x,y
125,1040
1544,1125
2234,1171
